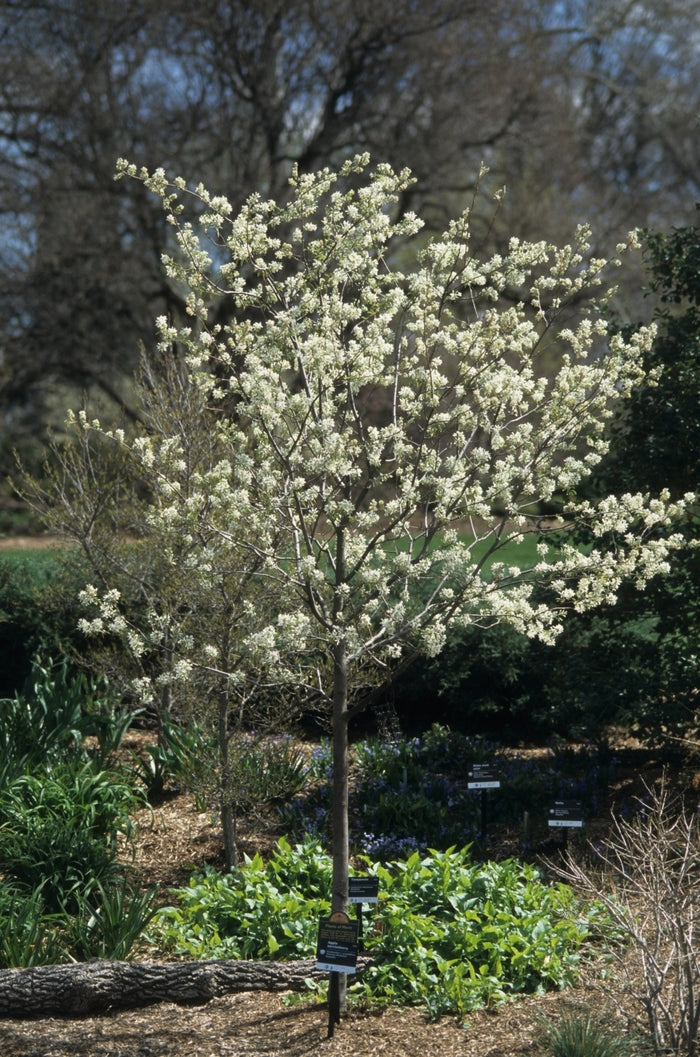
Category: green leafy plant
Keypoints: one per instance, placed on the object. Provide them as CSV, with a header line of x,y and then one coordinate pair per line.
x,y
59,828
262,910
111,919
107,723
266,771
460,935
104,923
64,822
50,720
449,935
577,1033
182,755
29,935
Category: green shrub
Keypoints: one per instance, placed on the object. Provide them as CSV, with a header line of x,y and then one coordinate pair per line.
x,y
262,910
39,725
484,681
110,920
458,935
266,771
50,720
183,754
450,935
262,773
64,818
105,923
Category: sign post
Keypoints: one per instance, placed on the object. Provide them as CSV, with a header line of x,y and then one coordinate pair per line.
x,y
483,776
336,952
362,890
565,815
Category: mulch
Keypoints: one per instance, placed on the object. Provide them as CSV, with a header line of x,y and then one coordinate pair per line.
x,y
265,1025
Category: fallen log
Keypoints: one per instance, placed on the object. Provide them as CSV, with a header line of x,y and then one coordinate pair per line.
x,y
98,986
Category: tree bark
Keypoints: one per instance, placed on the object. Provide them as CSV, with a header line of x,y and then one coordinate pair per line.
x,y
228,815
96,986
341,831
337,994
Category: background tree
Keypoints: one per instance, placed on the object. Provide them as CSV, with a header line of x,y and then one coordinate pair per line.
x,y
583,108
640,657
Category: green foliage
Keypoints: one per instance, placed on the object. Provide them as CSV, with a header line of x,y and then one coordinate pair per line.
x,y
263,910
636,662
50,720
64,820
39,612
184,754
458,935
480,682
262,772
266,771
400,759
59,828
450,935
658,444
110,920
105,922
411,793
577,1033
29,935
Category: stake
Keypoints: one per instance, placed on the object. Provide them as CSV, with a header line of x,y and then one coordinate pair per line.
x,y
333,1002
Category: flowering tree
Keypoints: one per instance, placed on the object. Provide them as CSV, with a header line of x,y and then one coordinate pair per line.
x,y
168,596
389,435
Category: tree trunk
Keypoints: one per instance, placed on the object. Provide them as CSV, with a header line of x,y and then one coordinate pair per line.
x,y
341,835
101,985
228,814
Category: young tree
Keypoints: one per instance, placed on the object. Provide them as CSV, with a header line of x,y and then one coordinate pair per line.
x,y
390,435
171,602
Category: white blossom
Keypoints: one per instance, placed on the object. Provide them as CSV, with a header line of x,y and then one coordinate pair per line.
x,y
372,522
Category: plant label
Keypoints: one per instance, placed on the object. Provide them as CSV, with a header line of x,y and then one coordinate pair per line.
x,y
483,776
566,813
337,947
363,890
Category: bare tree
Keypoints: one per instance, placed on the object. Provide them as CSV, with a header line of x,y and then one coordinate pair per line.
x,y
586,111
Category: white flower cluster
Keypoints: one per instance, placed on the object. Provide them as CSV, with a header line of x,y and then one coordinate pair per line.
x,y
368,412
